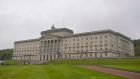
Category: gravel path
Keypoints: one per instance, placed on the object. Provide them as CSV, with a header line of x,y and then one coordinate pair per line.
x,y
127,74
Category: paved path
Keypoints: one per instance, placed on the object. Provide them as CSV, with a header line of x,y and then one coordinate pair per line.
x,y
127,74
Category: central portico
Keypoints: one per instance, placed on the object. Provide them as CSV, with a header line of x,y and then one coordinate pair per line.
x,y
50,43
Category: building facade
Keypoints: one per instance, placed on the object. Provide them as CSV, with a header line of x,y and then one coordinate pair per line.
x,y
62,43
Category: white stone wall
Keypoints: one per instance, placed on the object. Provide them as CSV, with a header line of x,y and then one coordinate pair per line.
x,y
26,50
85,43
96,45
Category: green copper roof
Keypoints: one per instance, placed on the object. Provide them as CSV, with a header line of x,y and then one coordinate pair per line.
x,y
57,30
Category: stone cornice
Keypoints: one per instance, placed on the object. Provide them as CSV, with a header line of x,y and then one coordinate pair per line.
x,y
30,40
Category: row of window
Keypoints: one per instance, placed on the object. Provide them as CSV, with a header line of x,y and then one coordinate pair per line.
x,y
28,44
91,38
105,45
84,50
33,48
85,55
88,43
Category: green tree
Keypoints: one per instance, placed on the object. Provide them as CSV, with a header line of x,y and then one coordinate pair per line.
x,y
6,54
137,47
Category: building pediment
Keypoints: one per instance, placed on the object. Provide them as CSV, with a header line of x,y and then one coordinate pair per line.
x,y
50,36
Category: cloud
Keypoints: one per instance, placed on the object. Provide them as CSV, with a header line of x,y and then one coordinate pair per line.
x,y
25,19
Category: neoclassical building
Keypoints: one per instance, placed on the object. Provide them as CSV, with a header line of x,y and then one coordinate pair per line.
x,y
62,43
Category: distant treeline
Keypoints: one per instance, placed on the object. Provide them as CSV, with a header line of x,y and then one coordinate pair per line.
x,y
137,47
6,54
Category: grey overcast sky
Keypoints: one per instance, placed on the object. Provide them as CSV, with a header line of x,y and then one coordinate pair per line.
x,y
25,19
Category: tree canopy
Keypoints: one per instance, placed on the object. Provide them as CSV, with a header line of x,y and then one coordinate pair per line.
x,y
6,54
137,47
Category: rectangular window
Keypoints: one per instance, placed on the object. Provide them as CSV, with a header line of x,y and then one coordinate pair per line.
x,y
95,37
105,54
77,39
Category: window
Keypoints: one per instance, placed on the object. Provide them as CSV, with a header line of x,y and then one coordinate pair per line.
x,y
86,49
90,42
74,44
95,48
86,43
95,55
77,39
101,55
91,49
95,37
106,45
77,44
95,45
91,38
105,54
100,48
51,41
91,54
55,41
112,45
100,37
86,54
101,42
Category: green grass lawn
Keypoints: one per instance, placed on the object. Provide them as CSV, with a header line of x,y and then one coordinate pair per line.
x,y
127,64
66,69
51,72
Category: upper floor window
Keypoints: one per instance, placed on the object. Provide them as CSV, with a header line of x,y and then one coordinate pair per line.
x,y
100,48
90,42
86,43
77,44
112,45
101,42
78,39
95,37
105,36
74,44
91,38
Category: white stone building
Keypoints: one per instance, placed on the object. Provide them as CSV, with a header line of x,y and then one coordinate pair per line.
x,y
62,43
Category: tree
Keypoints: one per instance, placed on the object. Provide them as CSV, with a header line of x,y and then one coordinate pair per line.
x,y
6,54
137,47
